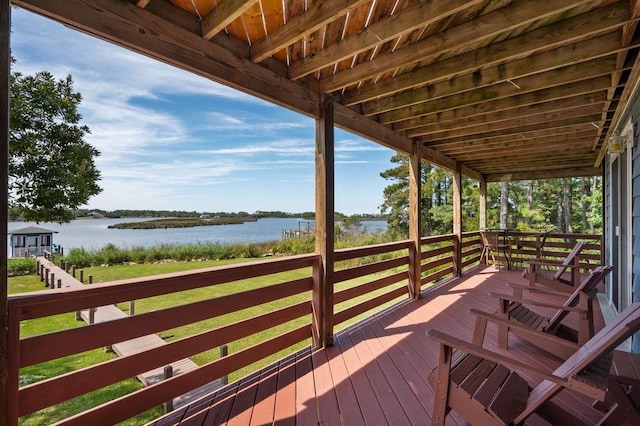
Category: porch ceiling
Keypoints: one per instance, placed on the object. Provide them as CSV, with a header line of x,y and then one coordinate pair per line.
x,y
503,89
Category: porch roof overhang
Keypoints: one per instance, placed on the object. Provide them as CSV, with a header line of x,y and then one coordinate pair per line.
x,y
499,89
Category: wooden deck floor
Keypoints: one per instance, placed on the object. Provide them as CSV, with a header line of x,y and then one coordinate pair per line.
x,y
376,372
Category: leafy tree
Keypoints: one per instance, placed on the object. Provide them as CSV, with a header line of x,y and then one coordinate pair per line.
x,y
554,205
51,168
436,199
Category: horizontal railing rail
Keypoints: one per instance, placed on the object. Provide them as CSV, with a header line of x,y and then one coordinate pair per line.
x,y
272,301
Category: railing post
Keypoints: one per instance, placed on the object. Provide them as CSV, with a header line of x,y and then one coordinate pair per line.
x,y
415,233
457,255
224,351
46,277
323,279
132,307
168,373
82,276
457,221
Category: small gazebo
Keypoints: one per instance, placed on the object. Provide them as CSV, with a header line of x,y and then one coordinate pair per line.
x,y
31,240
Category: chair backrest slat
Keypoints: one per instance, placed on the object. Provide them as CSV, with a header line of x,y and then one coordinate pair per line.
x,y
586,286
568,261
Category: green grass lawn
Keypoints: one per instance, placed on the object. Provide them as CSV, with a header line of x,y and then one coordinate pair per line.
x,y
111,273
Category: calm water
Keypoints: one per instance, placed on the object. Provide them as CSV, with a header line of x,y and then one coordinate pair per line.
x,y
94,234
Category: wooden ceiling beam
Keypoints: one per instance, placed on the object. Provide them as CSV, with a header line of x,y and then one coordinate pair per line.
x,y
588,89
544,174
572,30
593,102
142,3
539,168
411,18
597,52
524,162
472,103
546,126
458,119
507,152
533,135
539,163
222,15
513,124
461,150
316,17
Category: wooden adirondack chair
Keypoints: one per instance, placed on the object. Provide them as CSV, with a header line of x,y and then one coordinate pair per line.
x,y
549,333
541,272
485,388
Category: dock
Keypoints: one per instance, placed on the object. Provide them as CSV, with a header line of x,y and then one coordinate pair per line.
x,y
62,279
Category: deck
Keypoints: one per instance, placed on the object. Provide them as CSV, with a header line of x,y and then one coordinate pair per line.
x,y
376,372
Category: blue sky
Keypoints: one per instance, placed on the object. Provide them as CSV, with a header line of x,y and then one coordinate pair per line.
x,y
172,140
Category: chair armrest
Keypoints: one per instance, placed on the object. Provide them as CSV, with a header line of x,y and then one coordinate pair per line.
x,y
537,289
543,262
448,340
502,296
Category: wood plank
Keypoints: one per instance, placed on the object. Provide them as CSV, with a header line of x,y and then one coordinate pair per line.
x,y
344,388
511,399
306,403
285,407
222,15
265,400
328,408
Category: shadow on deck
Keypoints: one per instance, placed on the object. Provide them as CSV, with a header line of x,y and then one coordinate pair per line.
x,y
376,371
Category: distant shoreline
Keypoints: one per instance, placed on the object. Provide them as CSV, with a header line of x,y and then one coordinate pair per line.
x,y
181,223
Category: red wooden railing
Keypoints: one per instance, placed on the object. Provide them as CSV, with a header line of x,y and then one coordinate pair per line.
x,y
366,279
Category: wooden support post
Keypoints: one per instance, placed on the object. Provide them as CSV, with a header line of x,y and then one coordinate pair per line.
x,y
92,315
46,277
73,271
415,233
168,373
8,386
132,307
325,223
224,351
53,280
62,264
457,221
59,283
482,214
90,279
82,275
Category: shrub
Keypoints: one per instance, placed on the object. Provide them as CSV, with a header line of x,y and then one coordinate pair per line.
x,y
21,266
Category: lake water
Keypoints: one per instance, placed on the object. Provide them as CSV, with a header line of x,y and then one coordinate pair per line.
x,y
95,234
